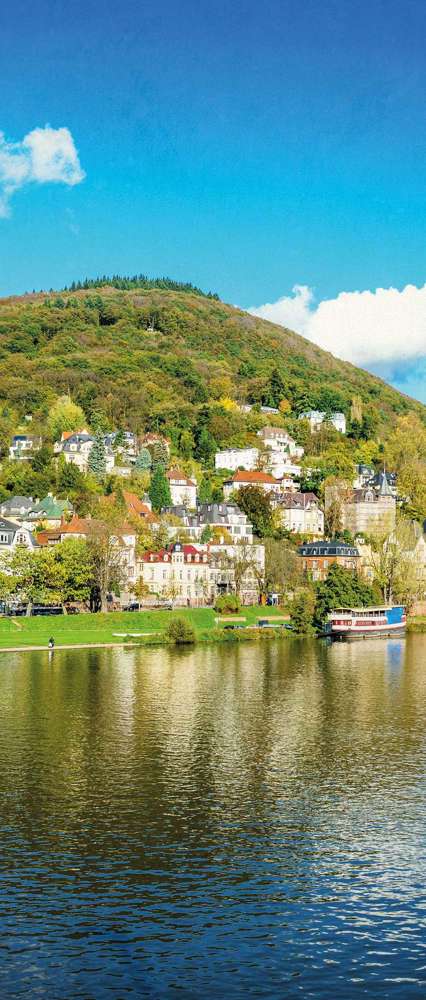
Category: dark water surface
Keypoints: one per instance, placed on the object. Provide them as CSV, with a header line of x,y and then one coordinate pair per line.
x,y
244,822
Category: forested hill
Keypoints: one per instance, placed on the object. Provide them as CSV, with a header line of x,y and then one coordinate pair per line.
x,y
154,358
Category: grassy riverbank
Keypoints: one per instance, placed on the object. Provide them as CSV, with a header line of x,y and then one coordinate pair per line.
x,y
417,624
118,627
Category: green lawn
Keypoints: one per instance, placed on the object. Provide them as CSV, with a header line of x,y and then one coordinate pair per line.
x,y
87,628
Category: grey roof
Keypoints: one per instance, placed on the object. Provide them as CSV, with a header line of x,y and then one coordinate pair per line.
x,y
16,503
385,490
333,548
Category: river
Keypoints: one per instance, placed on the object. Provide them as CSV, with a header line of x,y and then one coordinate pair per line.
x,y
214,822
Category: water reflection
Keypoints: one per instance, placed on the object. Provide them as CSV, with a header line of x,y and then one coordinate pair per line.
x,y
214,822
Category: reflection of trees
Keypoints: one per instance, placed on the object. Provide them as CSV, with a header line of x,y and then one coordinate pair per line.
x,y
124,750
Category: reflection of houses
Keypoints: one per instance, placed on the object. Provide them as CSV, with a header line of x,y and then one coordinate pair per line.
x,y
227,516
300,513
317,557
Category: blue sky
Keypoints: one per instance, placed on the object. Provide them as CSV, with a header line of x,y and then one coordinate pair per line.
x,y
245,147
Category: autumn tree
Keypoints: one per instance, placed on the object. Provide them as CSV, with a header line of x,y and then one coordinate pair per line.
x,y
64,415
393,563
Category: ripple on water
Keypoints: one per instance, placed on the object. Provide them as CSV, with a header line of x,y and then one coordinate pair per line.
x,y
214,823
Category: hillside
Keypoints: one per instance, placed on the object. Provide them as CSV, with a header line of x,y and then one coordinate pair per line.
x,y
152,358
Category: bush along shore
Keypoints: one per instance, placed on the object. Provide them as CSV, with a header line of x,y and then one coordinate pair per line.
x,y
148,628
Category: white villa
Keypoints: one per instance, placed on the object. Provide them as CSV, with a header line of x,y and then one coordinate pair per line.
x,y
317,417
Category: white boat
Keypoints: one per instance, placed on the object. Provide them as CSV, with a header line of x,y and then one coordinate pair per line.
x,y
353,623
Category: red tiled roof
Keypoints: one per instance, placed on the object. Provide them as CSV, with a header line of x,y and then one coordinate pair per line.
x,y
139,508
188,550
179,476
252,477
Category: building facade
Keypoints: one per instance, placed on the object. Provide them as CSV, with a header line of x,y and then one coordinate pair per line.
x,y
317,557
300,513
316,419
237,458
263,480
182,489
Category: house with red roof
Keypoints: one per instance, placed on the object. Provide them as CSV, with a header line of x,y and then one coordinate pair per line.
x,y
179,573
251,478
183,490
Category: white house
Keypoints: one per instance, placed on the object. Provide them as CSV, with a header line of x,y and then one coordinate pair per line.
x,y
237,458
282,467
212,515
17,507
240,478
182,489
76,449
181,573
13,534
279,440
301,513
24,446
317,417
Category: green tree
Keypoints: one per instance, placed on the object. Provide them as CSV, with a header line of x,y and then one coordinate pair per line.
x,y
277,389
256,504
97,457
302,612
342,588
159,490
206,446
64,415
180,632
76,570
159,453
144,461
186,444
38,576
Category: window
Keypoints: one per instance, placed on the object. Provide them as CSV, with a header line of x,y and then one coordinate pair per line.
x,y
4,538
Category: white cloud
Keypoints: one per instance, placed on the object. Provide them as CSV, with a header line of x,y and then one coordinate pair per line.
x,y
45,155
363,327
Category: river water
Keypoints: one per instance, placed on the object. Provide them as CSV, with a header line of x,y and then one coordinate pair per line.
x,y
214,822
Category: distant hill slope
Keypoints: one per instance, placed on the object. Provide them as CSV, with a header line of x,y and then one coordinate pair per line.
x,y
153,358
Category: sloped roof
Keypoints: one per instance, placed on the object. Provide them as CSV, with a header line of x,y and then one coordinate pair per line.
x,y
179,476
255,476
160,556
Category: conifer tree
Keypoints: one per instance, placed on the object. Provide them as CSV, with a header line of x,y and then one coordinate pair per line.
x,y
159,489
143,461
97,457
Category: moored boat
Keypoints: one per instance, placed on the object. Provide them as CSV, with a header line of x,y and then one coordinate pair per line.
x,y
359,623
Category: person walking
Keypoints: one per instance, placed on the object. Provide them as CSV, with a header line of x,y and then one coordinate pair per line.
x,y
51,643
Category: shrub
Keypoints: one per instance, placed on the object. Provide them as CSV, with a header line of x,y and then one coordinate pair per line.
x,y
227,603
180,632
